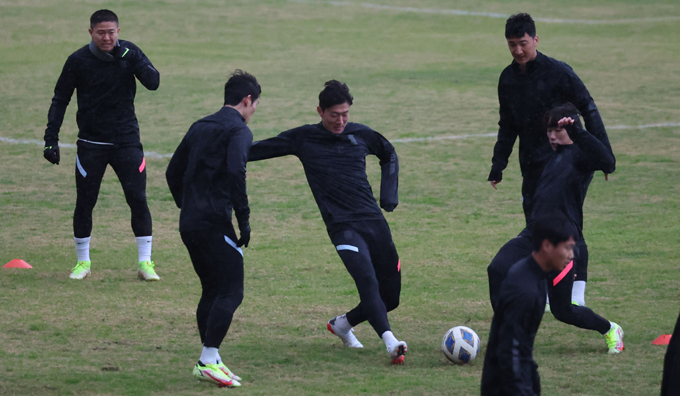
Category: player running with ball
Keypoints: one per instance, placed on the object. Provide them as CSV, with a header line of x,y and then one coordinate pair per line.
x,y
562,187
333,154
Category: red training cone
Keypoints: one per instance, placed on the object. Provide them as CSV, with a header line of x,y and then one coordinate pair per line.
x,y
17,263
663,339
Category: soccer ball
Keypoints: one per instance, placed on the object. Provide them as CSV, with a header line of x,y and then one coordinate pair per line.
x,y
460,345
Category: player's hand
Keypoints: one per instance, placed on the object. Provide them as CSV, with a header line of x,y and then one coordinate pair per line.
x,y
126,54
51,153
606,177
245,236
565,121
493,183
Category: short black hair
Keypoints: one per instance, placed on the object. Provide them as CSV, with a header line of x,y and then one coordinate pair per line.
x,y
334,93
103,16
240,85
519,24
555,114
553,226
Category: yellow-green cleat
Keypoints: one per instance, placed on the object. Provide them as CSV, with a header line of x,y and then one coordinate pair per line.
x,y
614,338
213,374
146,271
228,372
81,270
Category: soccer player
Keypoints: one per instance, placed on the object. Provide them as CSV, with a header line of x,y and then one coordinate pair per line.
x,y
509,366
562,187
530,86
333,154
670,384
103,72
207,179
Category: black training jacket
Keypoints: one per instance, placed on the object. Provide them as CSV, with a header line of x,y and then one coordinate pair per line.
x,y
565,179
106,93
335,165
207,173
509,367
524,100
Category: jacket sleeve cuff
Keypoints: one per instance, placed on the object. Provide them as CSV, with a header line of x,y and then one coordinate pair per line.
x,y
495,175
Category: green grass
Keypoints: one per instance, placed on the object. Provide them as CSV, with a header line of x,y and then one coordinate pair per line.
x,y
412,75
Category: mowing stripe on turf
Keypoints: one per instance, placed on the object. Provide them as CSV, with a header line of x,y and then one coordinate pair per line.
x,y
153,154
437,11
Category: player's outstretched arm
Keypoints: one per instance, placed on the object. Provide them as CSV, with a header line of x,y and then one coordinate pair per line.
x,y
277,146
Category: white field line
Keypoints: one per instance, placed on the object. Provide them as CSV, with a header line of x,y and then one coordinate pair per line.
x,y
148,154
153,154
437,11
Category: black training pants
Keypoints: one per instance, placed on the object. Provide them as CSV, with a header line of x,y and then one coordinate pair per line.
x,y
559,285
130,167
219,266
670,384
368,252
529,183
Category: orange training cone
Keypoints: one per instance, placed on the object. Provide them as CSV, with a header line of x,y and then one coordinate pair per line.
x,y
663,339
17,263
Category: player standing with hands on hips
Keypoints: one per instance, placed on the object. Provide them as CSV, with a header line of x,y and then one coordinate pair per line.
x,y
527,89
103,73
207,179
333,154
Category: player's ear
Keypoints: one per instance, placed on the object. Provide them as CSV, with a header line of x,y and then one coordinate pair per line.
x,y
318,110
546,245
247,101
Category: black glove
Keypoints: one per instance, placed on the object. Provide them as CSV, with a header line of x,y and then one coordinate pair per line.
x,y
126,54
388,206
245,236
51,153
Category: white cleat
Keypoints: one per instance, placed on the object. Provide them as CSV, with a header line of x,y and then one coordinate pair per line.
x,y
348,338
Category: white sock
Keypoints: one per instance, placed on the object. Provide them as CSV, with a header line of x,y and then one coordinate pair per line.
x,y
389,339
144,247
578,292
209,355
547,299
342,324
82,248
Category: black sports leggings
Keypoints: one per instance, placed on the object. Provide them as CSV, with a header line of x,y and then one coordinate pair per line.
x,y
368,252
559,292
130,167
219,266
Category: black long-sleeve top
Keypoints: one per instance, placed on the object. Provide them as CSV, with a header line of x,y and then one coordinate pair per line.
x,y
509,367
105,91
565,179
207,173
335,166
524,100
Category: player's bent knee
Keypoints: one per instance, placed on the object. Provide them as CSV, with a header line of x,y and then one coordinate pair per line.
x,y
391,303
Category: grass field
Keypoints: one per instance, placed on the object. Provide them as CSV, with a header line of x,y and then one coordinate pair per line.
x,y
418,72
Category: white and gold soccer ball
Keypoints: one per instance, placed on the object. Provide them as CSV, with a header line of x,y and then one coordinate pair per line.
x,y
460,345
